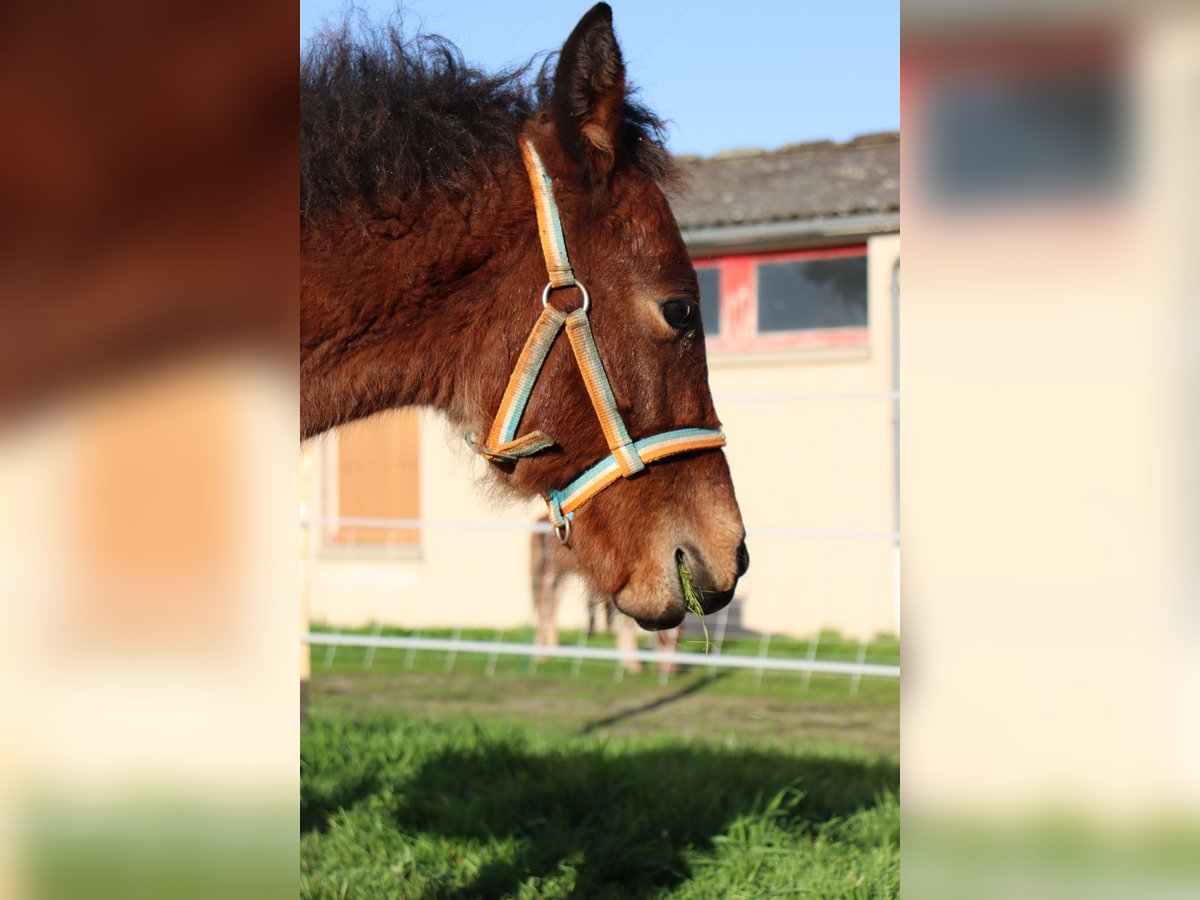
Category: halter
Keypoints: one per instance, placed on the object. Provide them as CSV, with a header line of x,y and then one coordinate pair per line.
x,y
627,457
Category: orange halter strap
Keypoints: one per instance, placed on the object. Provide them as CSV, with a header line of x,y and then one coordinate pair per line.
x,y
627,457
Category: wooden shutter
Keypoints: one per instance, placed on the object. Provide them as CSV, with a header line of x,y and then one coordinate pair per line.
x,y
378,477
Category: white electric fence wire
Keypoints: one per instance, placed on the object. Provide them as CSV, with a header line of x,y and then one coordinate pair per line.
x,y
691,659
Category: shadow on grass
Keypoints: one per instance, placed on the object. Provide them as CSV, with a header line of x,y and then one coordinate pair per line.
x,y
625,817
658,703
318,812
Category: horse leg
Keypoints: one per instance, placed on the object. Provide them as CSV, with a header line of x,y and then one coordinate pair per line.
x,y
545,593
593,607
627,630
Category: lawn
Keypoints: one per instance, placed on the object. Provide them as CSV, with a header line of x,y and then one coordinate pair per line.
x,y
424,776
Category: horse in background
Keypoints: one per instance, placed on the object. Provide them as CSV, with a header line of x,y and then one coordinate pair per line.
x,y
547,569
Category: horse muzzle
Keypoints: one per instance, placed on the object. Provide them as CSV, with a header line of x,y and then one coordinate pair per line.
x,y
712,592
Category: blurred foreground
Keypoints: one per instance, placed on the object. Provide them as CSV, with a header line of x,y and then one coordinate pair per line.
x,y
147,396
1051,744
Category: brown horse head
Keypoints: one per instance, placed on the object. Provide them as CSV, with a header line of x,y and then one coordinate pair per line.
x,y
455,346
626,248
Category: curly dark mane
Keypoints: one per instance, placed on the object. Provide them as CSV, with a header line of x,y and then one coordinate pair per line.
x,y
383,117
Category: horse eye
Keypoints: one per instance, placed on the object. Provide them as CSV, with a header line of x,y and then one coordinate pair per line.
x,y
678,313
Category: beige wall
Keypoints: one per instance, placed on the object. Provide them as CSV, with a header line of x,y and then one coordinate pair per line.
x,y
456,577
1050,372
817,464
812,464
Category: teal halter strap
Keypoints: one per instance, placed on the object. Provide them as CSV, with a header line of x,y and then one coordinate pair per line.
x,y
627,457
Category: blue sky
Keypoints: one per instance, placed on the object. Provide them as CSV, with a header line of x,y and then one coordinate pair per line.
x,y
759,73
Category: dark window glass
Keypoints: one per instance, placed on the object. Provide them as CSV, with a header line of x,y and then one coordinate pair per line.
x,y
710,300
816,293
1017,139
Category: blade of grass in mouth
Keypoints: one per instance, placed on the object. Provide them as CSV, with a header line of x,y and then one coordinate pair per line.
x,y
692,595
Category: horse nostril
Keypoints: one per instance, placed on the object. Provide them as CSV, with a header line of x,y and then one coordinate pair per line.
x,y
743,559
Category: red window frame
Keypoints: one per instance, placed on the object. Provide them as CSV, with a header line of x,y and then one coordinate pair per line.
x,y
738,289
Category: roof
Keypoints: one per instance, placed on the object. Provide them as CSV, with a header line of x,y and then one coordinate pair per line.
x,y
816,180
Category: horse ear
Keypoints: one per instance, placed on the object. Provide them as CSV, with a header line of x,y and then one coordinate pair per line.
x,y
589,93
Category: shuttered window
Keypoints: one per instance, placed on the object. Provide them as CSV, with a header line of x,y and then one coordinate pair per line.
x,y
378,478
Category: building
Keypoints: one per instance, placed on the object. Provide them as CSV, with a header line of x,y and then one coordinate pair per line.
x,y
797,252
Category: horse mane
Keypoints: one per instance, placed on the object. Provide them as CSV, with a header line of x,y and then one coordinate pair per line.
x,y
384,117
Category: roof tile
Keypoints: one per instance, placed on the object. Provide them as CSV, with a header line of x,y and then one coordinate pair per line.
x,y
798,181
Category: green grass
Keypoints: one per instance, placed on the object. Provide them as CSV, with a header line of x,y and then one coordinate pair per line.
x,y
427,775
573,697
393,806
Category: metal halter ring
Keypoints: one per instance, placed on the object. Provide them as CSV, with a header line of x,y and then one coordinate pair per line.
x,y
587,299
563,531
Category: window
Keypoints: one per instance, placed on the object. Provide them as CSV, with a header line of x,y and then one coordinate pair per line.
x,y
1020,139
813,293
375,476
1023,118
795,300
710,299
